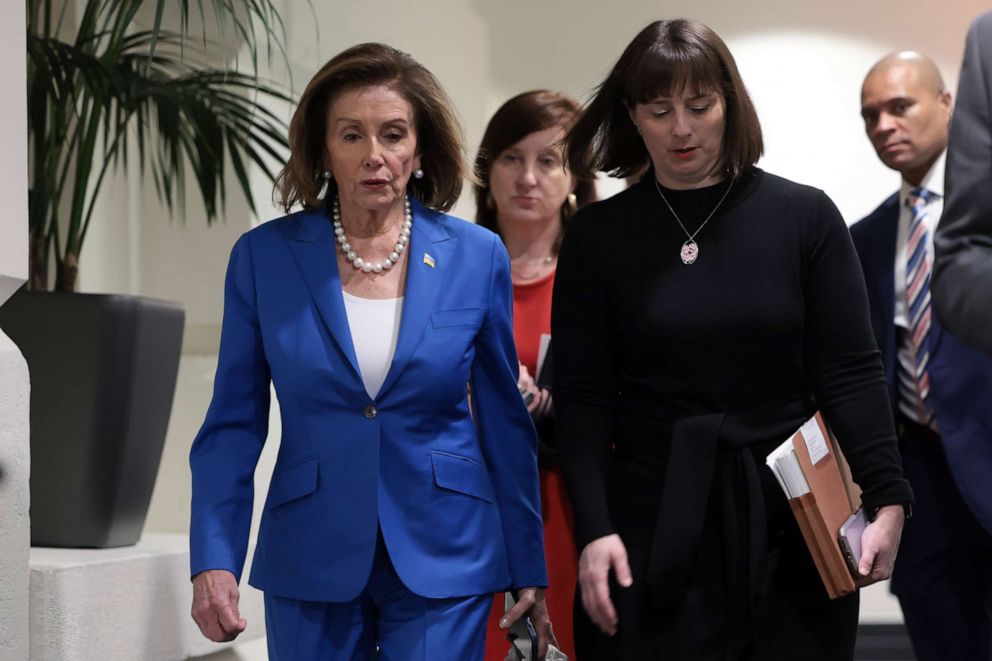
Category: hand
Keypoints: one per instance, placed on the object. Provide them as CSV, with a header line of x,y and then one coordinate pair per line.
x,y
531,600
879,544
539,405
598,557
215,605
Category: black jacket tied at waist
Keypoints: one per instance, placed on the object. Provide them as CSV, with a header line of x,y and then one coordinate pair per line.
x,y
718,446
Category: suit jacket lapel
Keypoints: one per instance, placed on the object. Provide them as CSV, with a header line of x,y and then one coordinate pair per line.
x,y
877,247
429,257
314,253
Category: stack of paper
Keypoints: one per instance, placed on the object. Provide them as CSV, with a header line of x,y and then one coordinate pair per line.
x,y
785,465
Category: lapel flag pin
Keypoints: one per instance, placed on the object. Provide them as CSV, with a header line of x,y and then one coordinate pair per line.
x,y
428,260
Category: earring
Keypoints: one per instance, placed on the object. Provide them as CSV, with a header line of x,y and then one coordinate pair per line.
x,y
572,203
418,174
325,185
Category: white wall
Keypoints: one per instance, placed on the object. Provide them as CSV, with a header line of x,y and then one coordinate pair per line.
x,y
14,387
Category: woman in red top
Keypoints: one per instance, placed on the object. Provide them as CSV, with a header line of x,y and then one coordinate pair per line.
x,y
526,195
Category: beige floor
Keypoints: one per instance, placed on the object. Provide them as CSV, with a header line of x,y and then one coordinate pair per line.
x,y
250,651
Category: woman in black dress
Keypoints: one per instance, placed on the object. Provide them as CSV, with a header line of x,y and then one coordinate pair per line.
x,y
700,317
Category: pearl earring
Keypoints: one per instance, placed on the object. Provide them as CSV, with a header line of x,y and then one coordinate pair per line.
x,y
326,177
418,174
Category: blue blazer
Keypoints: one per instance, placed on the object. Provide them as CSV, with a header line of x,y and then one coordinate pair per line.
x,y
455,493
960,377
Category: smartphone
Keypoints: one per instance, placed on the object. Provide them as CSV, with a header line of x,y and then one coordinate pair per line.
x,y
531,637
525,644
849,537
523,636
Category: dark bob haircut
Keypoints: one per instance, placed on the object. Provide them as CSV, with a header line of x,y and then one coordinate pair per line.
x,y
439,136
522,115
666,57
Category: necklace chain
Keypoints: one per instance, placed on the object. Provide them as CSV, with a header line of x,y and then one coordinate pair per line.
x,y
690,249
367,266
536,272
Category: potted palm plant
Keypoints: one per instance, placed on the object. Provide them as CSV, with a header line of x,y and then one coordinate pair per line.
x,y
105,92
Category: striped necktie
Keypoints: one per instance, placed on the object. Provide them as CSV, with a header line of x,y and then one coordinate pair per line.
x,y
918,266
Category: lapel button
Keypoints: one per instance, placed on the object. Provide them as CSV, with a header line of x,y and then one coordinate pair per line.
x,y
371,411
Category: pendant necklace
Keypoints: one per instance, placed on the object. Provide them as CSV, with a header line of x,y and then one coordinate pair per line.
x,y
690,249
535,272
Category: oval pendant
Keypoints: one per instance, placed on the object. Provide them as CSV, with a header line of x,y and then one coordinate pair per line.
x,y
690,251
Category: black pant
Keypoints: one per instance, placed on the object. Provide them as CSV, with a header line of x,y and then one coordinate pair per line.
x,y
943,573
796,620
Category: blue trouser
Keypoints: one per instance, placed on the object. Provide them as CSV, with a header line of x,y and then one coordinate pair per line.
x,y
404,626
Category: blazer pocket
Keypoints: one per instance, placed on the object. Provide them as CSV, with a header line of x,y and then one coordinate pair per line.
x,y
458,317
292,482
462,474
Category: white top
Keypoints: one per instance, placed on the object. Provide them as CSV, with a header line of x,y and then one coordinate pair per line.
x,y
375,328
933,182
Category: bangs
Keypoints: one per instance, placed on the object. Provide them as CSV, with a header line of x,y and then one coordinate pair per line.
x,y
517,126
524,114
670,68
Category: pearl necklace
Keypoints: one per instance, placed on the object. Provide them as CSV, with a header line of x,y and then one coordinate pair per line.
x,y
690,250
368,266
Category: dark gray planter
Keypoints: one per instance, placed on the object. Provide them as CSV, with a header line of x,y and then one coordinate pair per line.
x,y
103,373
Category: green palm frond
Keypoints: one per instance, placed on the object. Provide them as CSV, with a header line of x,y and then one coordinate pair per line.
x,y
87,96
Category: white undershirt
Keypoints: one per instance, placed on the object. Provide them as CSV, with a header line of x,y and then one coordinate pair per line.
x,y
909,402
375,329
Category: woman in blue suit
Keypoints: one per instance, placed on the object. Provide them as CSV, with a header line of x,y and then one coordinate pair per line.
x,y
405,491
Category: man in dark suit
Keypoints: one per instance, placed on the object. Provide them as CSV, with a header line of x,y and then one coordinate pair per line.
x,y
963,269
941,390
